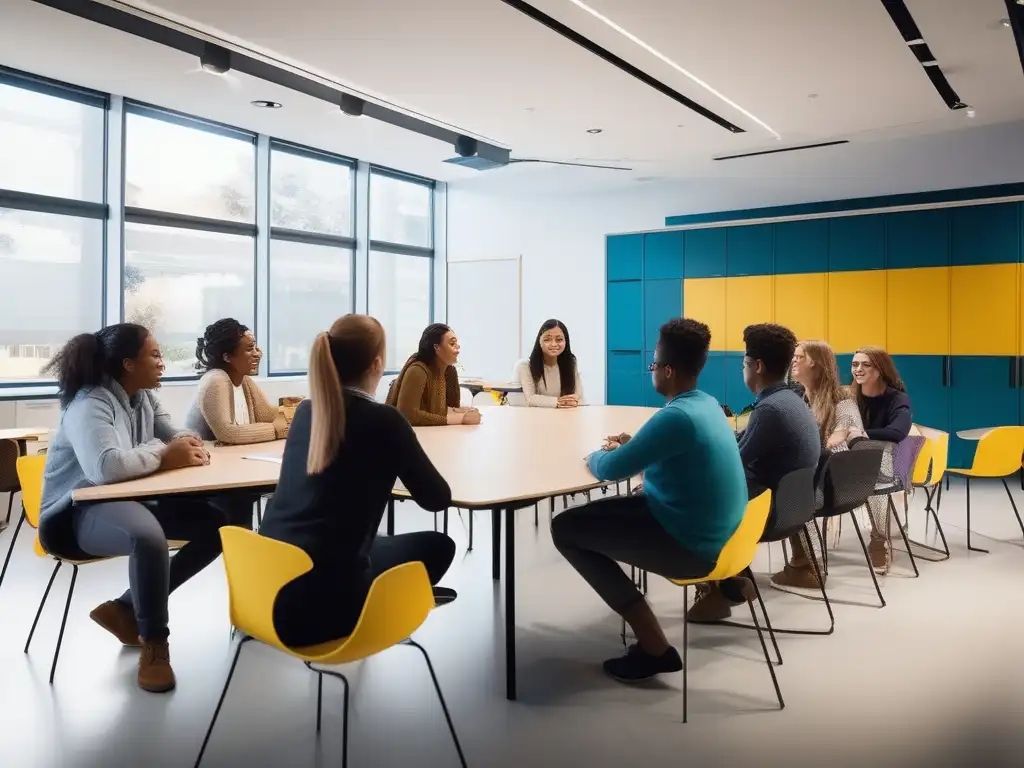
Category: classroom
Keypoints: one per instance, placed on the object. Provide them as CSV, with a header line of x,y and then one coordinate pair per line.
x,y
504,383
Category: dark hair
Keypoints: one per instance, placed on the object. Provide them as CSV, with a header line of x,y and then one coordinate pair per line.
x,y
89,358
773,345
221,338
566,360
683,343
431,337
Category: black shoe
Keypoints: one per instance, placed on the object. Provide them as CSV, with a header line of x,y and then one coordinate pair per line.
x,y
638,665
443,596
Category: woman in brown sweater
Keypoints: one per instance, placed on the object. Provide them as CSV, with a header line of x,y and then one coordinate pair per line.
x,y
427,389
229,407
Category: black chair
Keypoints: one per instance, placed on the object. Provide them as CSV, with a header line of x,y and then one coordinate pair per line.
x,y
905,453
850,479
793,508
9,452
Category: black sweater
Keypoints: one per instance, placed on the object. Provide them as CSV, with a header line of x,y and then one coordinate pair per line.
x,y
887,416
334,516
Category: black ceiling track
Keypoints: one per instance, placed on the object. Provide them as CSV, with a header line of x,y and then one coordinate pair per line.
x,y
616,61
1015,13
195,45
785,149
900,15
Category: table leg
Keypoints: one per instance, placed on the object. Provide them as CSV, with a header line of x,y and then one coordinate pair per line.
x,y
510,605
391,516
496,544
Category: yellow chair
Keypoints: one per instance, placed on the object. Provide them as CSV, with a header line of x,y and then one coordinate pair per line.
x,y
928,473
998,456
398,603
30,474
736,556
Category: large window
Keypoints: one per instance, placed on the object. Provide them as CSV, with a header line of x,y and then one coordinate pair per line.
x,y
189,236
52,214
311,250
401,259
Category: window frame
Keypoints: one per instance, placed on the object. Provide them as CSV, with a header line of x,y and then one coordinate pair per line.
x,y
386,246
32,202
340,242
156,218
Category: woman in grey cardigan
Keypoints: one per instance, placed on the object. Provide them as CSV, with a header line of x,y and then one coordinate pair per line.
x,y
112,429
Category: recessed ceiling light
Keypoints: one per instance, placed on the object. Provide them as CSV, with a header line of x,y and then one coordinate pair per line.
x,y
971,112
264,104
594,130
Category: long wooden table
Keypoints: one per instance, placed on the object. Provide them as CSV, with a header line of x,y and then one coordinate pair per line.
x,y
515,458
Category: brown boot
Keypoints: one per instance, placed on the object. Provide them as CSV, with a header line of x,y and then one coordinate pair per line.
x,y
119,620
799,576
709,606
878,551
155,673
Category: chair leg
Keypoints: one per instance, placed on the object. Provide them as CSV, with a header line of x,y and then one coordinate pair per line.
x,y
1014,505
536,515
821,583
220,702
768,622
344,722
867,557
440,697
967,482
445,523
767,659
903,535
10,549
63,621
319,698
686,623
42,602
10,505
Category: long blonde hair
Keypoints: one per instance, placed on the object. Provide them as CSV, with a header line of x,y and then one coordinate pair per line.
x,y
339,356
825,393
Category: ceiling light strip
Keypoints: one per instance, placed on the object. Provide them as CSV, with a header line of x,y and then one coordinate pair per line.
x,y
662,57
908,29
785,149
1015,13
617,61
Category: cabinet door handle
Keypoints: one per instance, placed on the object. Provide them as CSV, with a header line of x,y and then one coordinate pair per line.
x,y
1013,373
945,370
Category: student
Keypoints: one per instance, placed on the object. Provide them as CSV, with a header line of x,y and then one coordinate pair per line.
x,y
694,498
550,377
781,437
112,429
427,389
814,367
229,407
885,410
343,454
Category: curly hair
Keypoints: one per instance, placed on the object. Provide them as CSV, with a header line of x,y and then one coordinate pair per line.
x,y
773,345
88,358
221,338
683,343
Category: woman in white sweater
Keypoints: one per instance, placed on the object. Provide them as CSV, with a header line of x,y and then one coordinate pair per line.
x,y
550,377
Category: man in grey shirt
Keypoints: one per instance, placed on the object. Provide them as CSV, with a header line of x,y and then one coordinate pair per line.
x,y
781,437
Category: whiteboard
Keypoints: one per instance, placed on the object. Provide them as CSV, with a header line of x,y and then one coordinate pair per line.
x,y
485,311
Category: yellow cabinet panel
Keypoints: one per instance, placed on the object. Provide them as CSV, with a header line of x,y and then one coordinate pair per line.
x,y
918,311
748,300
983,307
856,310
800,304
704,300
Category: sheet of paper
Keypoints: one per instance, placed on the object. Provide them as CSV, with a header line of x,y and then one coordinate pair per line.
x,y
264,457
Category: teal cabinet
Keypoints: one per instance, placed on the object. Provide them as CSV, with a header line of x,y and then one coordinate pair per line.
x,y
985,234
704,251
925,378
917,239
625,316
625,378
983,393
801,247
663,301
625,257
750,250
663,255
856,242
737,395
712,378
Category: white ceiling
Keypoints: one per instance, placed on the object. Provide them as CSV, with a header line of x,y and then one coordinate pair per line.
x,y
486,69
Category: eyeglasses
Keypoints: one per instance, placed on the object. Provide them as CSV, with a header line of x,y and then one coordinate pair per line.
x,y
655,366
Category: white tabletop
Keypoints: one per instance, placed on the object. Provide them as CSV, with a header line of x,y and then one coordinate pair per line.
x,y
24,433
974,434
515,454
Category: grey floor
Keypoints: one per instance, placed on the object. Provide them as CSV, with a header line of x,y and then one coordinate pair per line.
x,y
935,678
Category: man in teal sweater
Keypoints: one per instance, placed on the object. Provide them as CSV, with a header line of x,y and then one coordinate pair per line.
x,y
693,499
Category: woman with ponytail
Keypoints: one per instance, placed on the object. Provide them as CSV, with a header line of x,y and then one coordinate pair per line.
x,y
229,406
343,455
112,429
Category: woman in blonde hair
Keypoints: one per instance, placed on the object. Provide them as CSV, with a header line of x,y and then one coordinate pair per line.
x,y
343,455
838,418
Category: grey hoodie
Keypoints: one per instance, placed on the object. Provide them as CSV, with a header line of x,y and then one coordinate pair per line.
x,y
104,437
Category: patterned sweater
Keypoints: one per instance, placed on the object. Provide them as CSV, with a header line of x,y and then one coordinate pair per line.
x,y
424,395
